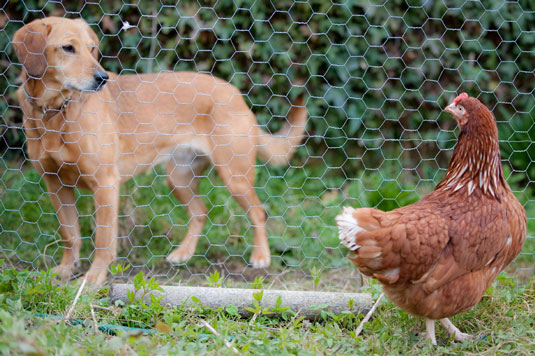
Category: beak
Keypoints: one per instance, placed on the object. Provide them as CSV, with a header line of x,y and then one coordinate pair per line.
x,y
450,108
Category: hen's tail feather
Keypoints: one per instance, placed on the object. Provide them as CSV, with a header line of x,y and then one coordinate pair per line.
x,y
348,227
362,232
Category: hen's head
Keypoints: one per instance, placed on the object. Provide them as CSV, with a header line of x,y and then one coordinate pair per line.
x,y
476,162
470,112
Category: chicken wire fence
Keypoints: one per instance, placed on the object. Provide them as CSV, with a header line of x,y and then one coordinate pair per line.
x,y
375,76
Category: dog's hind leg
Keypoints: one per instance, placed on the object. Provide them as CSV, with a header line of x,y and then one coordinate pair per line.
x,y
63,199
184,178
238,175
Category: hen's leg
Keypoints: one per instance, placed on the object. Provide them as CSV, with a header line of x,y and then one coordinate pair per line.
x,y
430,331
452,330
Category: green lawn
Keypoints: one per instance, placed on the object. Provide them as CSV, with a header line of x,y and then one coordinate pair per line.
x,y
301,203
502,323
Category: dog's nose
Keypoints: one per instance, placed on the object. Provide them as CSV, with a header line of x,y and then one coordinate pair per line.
x,y
101,77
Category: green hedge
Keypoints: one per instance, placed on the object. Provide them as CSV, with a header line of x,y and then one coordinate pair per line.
x,y
376,76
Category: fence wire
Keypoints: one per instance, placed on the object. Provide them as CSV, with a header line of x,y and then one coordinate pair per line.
x,y
375,76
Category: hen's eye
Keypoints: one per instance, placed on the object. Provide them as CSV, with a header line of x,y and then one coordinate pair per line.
x,y
68,48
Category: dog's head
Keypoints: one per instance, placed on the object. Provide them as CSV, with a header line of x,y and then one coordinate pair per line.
x,y
63,53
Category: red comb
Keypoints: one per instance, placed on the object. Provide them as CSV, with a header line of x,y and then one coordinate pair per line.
x,y
460,97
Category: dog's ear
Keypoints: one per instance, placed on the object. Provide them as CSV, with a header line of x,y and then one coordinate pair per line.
x,y
29,43
94,37
91,34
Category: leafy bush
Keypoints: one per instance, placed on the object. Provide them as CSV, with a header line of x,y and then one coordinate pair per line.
x,y
372,72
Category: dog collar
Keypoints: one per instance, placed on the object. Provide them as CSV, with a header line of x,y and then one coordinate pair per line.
x,y
48,113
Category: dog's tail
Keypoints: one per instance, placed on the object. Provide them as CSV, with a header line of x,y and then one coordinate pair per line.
x,y
277,149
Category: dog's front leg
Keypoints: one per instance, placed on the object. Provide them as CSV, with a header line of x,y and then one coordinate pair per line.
x,y
62,197
106,210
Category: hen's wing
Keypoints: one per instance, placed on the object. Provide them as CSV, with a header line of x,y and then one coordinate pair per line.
x,y
397,246
478,232
431,242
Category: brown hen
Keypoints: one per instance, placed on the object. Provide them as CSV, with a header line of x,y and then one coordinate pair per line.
x,y
436,258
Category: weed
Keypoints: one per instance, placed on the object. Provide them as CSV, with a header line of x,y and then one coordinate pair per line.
x,y
119,269
138,311
256,309
258,282
215,279
316,276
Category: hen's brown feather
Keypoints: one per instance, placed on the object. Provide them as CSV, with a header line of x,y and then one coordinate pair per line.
x,y
437,257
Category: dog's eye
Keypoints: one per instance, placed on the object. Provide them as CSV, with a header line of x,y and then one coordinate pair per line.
x,y
68,48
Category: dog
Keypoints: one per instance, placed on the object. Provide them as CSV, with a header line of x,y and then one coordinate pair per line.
x,y
91,129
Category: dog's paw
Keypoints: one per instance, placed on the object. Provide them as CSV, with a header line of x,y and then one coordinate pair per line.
x,y
96,275
179,255
260,258
64,273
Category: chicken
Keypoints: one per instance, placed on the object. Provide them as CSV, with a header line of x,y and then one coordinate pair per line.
x,y
436,258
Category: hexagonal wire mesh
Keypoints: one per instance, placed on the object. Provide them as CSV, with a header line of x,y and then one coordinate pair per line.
x,y
376,76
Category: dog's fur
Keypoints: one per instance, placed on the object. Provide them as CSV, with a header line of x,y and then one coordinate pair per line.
x,y
91,129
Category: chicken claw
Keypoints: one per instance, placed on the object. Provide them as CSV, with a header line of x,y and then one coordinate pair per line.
x,y
452,330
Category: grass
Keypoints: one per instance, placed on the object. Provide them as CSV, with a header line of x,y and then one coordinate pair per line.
x,y
502,323
301,203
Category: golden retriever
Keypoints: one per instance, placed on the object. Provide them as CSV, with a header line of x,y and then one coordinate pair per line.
x,y
92,129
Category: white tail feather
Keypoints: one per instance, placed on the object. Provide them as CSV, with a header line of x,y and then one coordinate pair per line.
x,y
348,228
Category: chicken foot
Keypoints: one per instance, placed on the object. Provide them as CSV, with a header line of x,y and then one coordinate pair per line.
x,y
452,330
